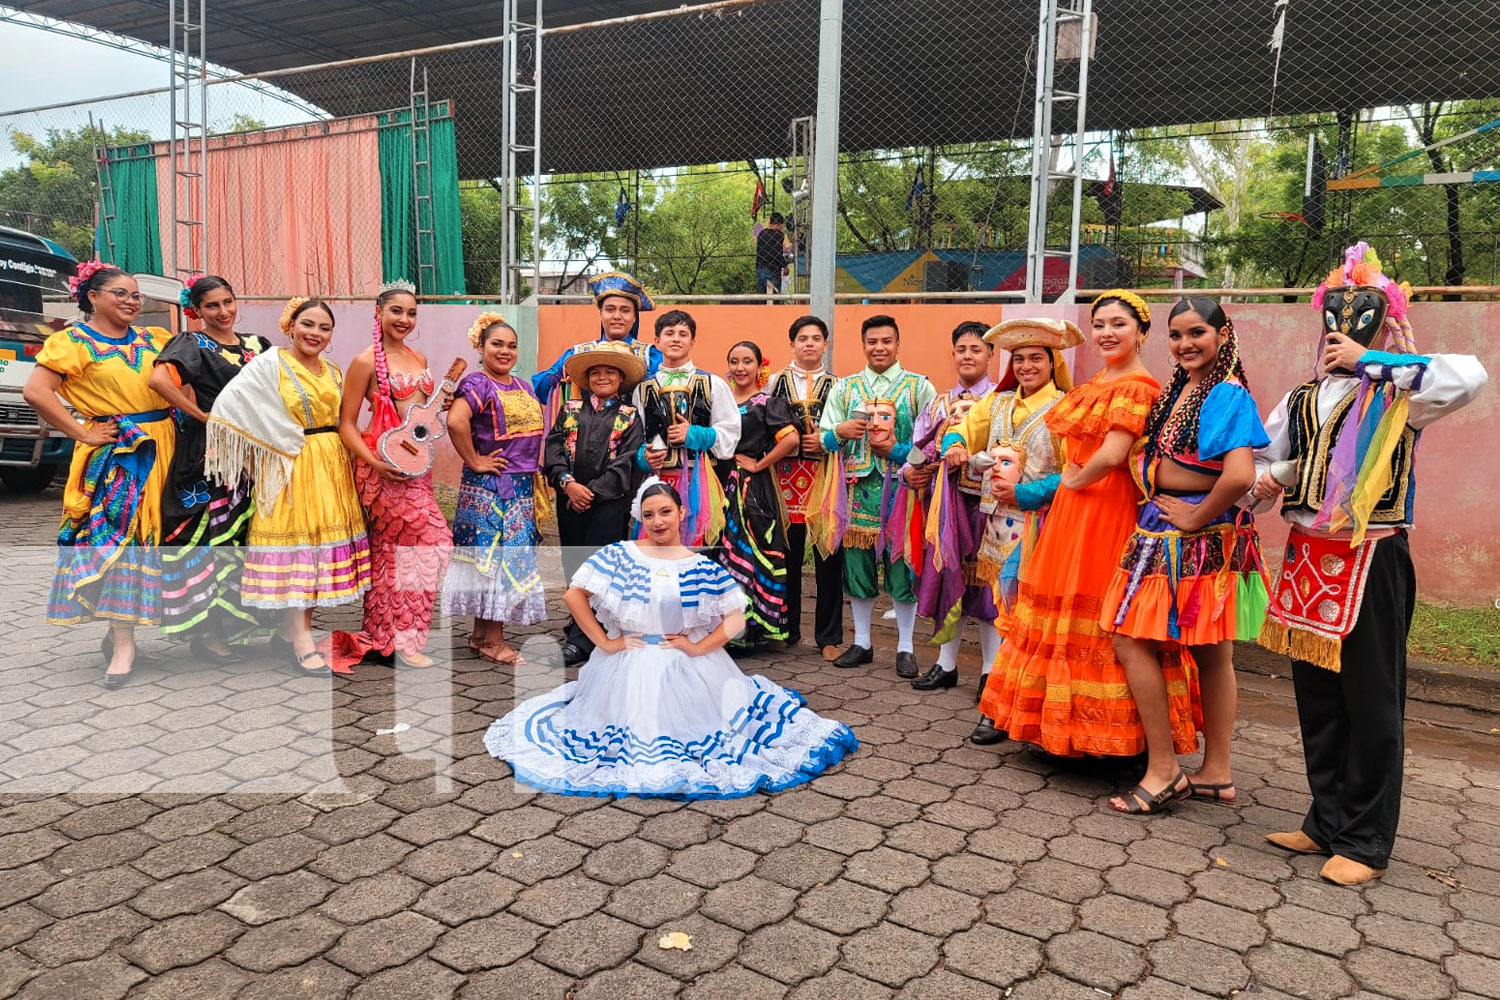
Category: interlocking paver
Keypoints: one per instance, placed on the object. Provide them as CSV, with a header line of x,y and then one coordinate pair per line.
x,y
284,943
524,980
487,943
384,943
749,903
1095,959
714,945
592,944
890,954
932,909
626,861
995,956
1200,965
790,952
86,936
924,867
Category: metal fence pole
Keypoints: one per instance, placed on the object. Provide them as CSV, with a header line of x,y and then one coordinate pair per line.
x,y
825,175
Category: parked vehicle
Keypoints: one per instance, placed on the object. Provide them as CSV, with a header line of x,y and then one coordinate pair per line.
x,y
33,270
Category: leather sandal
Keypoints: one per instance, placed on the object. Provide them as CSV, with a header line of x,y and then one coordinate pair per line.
x,y
1224,793
1139,802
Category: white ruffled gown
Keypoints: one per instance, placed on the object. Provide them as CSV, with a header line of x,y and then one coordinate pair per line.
x,y
656,721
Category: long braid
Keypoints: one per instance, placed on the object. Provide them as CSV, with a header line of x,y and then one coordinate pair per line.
x,y
382,367
1174,429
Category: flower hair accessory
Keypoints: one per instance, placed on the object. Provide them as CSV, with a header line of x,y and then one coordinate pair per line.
x,y
185,296
635,505
1362,266
292,306
85,271
483,323
764,375
1136,304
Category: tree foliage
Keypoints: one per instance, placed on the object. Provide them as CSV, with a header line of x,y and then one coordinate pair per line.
x,y
54,191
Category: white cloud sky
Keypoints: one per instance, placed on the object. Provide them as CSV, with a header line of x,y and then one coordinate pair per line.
x,y
42,67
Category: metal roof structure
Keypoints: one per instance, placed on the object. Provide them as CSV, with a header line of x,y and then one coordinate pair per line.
x,y
652,93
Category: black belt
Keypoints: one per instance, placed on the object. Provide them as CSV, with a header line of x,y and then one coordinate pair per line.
x,y
309,432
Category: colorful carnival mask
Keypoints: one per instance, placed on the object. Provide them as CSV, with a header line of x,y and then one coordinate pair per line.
x,y
882,421
1356,311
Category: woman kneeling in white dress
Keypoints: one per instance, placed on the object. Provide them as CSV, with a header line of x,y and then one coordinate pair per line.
x,y
660,708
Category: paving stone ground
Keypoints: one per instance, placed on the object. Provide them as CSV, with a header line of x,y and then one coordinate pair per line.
x,y
244,833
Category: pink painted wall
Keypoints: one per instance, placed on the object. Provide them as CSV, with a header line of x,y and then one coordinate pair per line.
x,y
1455,548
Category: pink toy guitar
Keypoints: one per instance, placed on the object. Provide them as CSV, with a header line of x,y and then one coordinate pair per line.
x,y
411,446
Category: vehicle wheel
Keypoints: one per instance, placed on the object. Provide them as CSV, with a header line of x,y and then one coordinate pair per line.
x,y
35,480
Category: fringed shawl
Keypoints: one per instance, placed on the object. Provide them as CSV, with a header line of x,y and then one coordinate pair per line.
x,y
251,433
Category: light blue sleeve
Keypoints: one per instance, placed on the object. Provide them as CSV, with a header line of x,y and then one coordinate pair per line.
x,y
1038,494
1229,420
699,438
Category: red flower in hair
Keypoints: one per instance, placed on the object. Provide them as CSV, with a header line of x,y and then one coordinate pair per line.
x,y
85,271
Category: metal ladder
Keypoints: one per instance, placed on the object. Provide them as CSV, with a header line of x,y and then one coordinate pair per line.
x,y
799,173
520,155
187,41
421,183
1070,20
105,239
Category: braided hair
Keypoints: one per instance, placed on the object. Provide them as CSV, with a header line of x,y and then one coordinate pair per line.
x,y
1171,428
382,366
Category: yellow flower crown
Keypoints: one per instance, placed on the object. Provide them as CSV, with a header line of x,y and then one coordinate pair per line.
x,y
291,310
1135,302
483,323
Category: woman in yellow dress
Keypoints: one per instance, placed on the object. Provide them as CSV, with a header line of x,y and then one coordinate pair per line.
x,y
277,422
108,559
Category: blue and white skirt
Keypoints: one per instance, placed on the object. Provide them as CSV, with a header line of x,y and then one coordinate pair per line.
x,y
657,722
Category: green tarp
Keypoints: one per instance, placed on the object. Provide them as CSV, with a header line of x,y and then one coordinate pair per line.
x,y
135,229
398,205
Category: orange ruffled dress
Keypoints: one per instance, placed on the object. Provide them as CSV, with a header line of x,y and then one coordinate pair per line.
x,y
1056,682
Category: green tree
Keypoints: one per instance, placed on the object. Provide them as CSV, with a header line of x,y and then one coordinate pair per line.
x,y
54,192
697,237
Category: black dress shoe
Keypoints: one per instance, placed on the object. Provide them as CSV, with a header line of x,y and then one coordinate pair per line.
x,y
985,734
116,680
906,665
855,656
936,678
572,655
205,655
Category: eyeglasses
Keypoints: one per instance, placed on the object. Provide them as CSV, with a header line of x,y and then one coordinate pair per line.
x,y
121,295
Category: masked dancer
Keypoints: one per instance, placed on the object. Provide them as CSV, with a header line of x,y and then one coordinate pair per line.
x,y
1343,458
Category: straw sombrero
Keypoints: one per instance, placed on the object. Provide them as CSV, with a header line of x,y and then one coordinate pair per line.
x,y
613,353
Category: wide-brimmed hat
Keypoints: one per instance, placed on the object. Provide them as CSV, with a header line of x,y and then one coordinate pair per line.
x,y
621,284
1056,334
614,353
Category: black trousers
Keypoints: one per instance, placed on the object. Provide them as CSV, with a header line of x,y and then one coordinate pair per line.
x,y
828,577
1352,721
581,536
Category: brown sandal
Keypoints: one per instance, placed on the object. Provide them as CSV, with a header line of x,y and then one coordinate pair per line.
x,y
502,653
1139,802
1224,794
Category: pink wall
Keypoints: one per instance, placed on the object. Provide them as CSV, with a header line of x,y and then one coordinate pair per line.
x,y
1456,552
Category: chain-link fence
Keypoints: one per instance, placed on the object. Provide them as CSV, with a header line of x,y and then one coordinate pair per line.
x,y
1234,143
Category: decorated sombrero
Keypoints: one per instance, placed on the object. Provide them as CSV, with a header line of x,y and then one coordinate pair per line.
x,y
605,352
